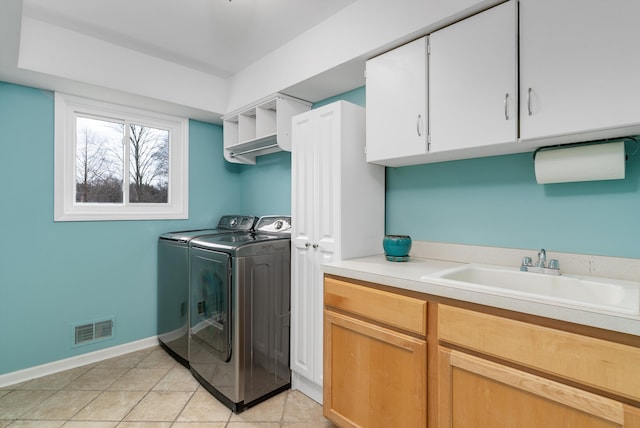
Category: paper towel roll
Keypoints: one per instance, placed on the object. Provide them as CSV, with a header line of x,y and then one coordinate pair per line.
x,y
581,163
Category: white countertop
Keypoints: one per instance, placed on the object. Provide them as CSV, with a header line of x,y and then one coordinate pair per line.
x,y
407,275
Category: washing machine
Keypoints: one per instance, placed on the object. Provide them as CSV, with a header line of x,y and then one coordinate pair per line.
x,y
173,282
240,312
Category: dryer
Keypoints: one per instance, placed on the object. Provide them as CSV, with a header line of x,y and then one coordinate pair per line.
x,y
240,312
173,282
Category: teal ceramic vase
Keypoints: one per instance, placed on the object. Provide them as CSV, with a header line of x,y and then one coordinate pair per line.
x,y
396,247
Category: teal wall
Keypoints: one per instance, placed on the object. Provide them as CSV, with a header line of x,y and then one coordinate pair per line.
x,y
54,275
266,186
496,201
356,96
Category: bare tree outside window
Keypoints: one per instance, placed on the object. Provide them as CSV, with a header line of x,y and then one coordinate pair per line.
x,y
149,164
99,169
100,162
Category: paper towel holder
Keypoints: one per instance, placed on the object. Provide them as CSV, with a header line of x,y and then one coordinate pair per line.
x,y
587,161
590,143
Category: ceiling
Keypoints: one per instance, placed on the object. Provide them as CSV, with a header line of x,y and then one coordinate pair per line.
x,y
200,45
218,37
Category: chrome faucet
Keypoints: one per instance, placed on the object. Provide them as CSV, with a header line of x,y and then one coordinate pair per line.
x,y
541,265
542,258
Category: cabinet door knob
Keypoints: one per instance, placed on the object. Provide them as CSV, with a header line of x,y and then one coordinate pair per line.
x,y
315,245
307,244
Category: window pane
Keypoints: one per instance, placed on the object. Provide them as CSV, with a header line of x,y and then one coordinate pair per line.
x,y
99,161
148,164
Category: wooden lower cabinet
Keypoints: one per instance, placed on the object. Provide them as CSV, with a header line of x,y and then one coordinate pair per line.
x,y
475,392
375,356
373,376
497,372
484,367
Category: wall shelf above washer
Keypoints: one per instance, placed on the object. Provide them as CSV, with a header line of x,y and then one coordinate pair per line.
x,y
260,128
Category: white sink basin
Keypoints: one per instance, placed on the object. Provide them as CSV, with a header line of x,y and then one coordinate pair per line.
x,y
568,290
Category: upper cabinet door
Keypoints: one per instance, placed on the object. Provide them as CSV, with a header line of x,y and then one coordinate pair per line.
x,y
473,81
579,66
397,103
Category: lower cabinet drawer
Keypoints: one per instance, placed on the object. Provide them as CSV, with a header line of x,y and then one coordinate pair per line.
x,y
395,310
604,365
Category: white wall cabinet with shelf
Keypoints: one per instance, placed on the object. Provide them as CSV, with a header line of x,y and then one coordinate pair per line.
x,y
261,128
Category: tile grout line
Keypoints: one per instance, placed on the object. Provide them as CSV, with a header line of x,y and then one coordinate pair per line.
x,y
96,397
137,366
107,389
284,407
193,393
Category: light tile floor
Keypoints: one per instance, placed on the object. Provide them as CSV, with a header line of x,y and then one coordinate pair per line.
x,y
142,389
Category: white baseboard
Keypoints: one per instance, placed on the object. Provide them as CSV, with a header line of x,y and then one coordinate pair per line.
x,y
307,387
77,361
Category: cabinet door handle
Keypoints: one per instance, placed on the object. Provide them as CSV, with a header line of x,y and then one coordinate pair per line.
x,y
418,122
529,102
506,106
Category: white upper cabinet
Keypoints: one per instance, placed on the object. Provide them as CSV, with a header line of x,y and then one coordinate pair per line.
x,y
396,94
579,67
517,76
473,81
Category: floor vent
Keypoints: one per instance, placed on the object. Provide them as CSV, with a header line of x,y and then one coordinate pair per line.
x,y
92,332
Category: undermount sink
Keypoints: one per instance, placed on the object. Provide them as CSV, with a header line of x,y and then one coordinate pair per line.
x,y
571,290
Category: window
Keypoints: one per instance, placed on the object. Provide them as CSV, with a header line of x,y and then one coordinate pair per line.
x,y
118,163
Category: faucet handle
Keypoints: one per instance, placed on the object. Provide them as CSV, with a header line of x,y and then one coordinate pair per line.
x,y
526,261
554,264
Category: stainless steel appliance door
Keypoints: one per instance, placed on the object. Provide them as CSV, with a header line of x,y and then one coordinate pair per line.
x,y
173,297
211,303
264,282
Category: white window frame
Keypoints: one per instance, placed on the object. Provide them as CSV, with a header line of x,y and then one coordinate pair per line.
x,y
67,108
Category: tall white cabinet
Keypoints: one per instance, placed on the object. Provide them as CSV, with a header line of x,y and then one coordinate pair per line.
x,y
337,213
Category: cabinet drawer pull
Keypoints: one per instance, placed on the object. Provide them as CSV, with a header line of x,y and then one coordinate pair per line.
x,y
506,106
